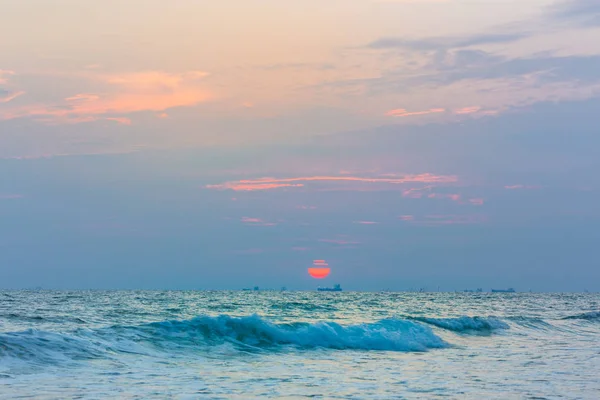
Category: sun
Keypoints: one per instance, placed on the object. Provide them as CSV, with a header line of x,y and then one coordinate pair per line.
x,y
319,270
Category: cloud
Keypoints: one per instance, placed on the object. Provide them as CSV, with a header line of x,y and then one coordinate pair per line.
x,y
580,12
476,201
120,120
297,248
407,217
515,187
10,196
342,242
439,43
401,112
124,94
467,110
451,196
6,96
4,74
365,222
256,221
548,68
416,193
239,186
410,1
449,219
274,183
250,251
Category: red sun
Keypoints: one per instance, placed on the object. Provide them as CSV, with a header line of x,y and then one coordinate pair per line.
x,y
319,273
319,270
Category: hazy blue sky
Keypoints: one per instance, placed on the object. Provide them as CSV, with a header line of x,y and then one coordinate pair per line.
x,y
203,144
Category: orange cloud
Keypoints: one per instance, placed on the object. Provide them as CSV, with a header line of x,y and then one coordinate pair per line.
x,y
401,112
126,93
273,183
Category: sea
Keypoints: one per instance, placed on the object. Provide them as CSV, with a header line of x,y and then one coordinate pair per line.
x,y
297,345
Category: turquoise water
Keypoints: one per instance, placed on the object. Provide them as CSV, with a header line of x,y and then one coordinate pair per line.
x,y
240,345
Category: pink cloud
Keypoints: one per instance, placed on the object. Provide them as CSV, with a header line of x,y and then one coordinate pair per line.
x,y
162,115
300,248
451,196
120,120
307,207
515,187
4,74
450,219
366,222
401,112
256,221
250,251
476,201
407,217
273,183
124,93
338,241
415,193
10,196
467,110
11,96
241,187
251,220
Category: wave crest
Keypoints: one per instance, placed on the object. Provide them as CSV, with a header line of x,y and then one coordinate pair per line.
x,y
592,315
466,324
205,332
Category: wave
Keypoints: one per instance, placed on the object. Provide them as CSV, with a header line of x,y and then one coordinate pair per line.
x,y
592,315
250,333
465,324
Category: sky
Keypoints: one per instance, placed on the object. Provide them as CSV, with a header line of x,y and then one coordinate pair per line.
x,y
196,144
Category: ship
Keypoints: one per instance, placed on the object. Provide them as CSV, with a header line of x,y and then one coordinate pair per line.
x,y
509,290
335,288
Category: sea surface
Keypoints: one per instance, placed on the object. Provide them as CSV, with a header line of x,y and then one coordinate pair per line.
x,y
244,345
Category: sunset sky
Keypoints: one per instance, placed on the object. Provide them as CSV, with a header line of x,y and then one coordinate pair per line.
x,y
203,144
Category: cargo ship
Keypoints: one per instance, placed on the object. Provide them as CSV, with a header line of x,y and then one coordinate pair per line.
x,y
335,288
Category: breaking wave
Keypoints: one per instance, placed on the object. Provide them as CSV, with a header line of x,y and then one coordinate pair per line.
x,y
245,333
465,324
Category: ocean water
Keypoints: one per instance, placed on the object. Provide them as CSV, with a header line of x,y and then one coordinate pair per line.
x,y
243,345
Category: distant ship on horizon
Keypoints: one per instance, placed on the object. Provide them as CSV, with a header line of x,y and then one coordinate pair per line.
x,y
509,290
335,288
